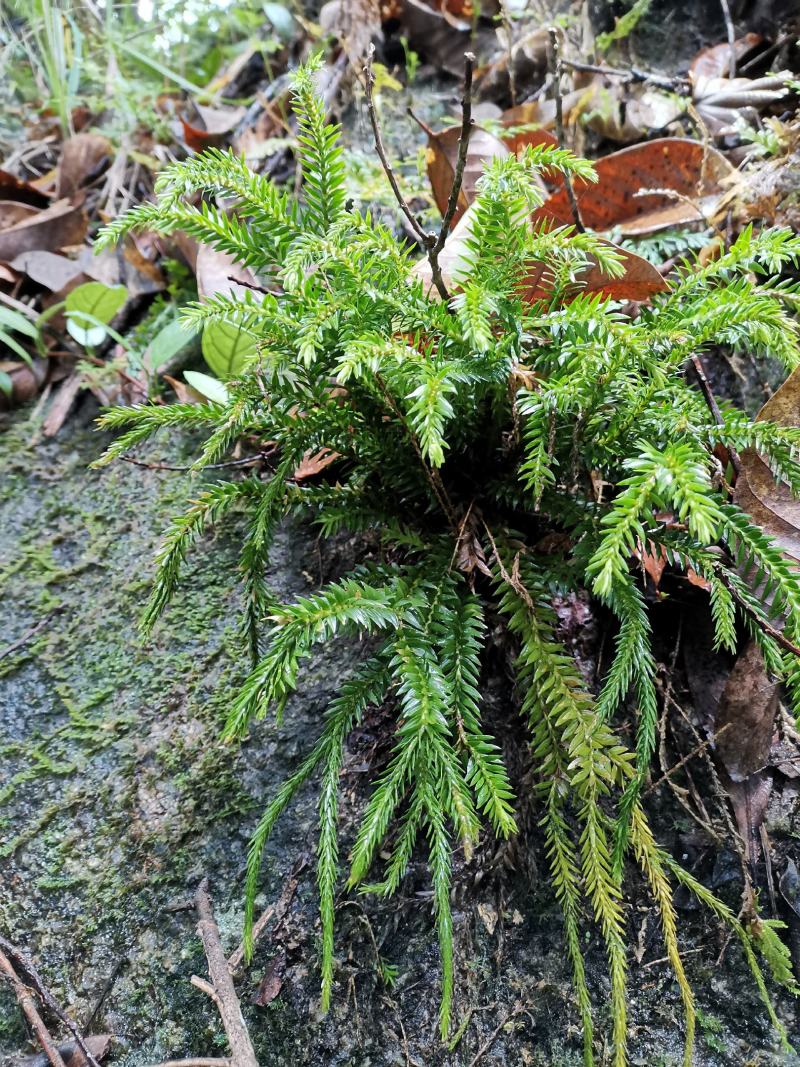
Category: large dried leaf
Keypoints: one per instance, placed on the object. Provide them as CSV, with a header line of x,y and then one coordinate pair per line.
x,y
24,381
218,273
534,115
52,229
12,188
525,61
355,24
441,157
745,717
640,281
48,269
13,212
625,113
769,503
714,62
140,275
691,172
442,38
211,127
83,158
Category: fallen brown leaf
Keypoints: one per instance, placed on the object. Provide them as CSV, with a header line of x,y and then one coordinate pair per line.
x,y
48,269
314,463
714,62
272,982
53,228
97,1044
744,720
15,211
218,273
25,381
441,156
640,281
83,158
689,171
12,188
769,503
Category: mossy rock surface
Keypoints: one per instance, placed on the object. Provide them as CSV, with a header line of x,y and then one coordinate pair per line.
x,y
117,797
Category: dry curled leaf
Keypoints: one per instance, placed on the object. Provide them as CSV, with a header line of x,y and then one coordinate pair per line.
x,y
685,175
313,463
52,229
83,158
441,157
769,503
640,280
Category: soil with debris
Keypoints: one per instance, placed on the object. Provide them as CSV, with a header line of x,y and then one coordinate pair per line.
x,y
118,797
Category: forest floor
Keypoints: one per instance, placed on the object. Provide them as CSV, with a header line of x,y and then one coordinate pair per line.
x,y
117,797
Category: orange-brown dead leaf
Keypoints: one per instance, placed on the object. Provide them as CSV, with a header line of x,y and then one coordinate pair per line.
x,y
686,174
314,463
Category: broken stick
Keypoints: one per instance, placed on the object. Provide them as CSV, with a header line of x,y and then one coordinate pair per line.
x,y
28,1006
242,1054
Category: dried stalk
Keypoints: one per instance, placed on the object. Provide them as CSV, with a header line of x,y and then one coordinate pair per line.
x,y
556,69
433,243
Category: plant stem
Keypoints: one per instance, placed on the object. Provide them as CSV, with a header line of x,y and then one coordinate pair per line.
x,y
461,160
555,67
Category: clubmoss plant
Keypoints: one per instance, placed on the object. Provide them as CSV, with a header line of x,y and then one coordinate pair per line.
x,y
466,430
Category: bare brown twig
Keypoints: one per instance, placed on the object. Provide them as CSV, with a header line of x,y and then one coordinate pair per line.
x,y
369,85
731,32
555,66
28,1006
433,243
632,74
25,965
461,159
761,623
713,407
247,461
242,1053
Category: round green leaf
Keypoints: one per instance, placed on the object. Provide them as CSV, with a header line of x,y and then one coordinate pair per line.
x,y
94,298
227,348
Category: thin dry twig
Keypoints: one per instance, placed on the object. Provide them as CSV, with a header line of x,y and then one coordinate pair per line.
x,y
26,637
28,1006
369,85
246,462
242,1053
433,243
519,1009
761,623
461,160
632,74
555,66
713,407
199,1061
29,971
731,32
